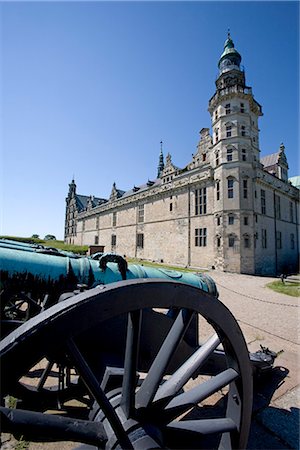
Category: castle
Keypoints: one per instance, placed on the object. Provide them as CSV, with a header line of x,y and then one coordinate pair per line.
x,y
228,208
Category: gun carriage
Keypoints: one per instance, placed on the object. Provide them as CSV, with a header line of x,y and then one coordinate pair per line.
x,y
141,357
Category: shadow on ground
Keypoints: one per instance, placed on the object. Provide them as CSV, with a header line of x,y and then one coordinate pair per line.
x,y
272,427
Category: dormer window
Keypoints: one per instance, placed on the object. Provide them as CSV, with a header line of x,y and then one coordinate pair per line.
x,y
228,130
204,157
227,108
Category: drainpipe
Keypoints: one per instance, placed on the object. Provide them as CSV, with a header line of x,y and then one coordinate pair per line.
x,y
275,231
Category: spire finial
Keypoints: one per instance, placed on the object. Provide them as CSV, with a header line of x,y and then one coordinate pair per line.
x,y
161,146
228,33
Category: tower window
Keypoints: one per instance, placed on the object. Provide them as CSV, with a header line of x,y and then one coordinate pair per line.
x,y
216,115
244,155
200,237
242,107
243,130
217,158
230,220
230,241
204,157
218,241
228,130
218,190
246,220
245,188
218,220
217,135
246,242
227,109
230,188
229,154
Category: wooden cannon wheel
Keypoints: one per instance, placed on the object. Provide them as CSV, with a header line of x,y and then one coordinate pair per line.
x,y
155,403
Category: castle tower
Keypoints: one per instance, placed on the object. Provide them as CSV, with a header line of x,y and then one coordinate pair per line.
x,y
234,114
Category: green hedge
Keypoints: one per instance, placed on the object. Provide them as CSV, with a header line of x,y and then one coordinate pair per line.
x,y
79,249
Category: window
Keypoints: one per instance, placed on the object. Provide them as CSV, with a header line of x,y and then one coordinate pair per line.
x,y
243,130
218,190
230,188
114,219
140,240
244,155
200,201
291,212
97,223
218,221
229,154
113,240
204,157
277,207
228,130
217,158
245,188
227,108
216,115
83,225
231,220
231,241
171,207
141,211
242,107
218,241
292,241
200,237
263,201
217,135
246,220
246,242
278,240
96,240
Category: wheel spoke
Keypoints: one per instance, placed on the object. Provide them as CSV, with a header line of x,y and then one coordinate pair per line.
x,y
131,361
95,390
184,401
184,373
205,426
150,385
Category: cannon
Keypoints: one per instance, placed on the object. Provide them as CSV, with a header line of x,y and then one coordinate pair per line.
x,y
128,356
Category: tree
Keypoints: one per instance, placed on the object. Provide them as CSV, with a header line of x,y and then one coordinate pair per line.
x,y
49,237
35,236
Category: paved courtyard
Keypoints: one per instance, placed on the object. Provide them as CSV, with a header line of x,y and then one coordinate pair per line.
x,y
270,319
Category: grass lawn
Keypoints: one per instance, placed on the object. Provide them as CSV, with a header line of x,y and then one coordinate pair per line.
x,y
159,266
54,244
287,288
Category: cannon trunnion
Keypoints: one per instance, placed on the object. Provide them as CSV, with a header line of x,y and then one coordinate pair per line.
x,y
141,359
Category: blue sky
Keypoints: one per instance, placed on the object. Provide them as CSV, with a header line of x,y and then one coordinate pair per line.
x,y
91,88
